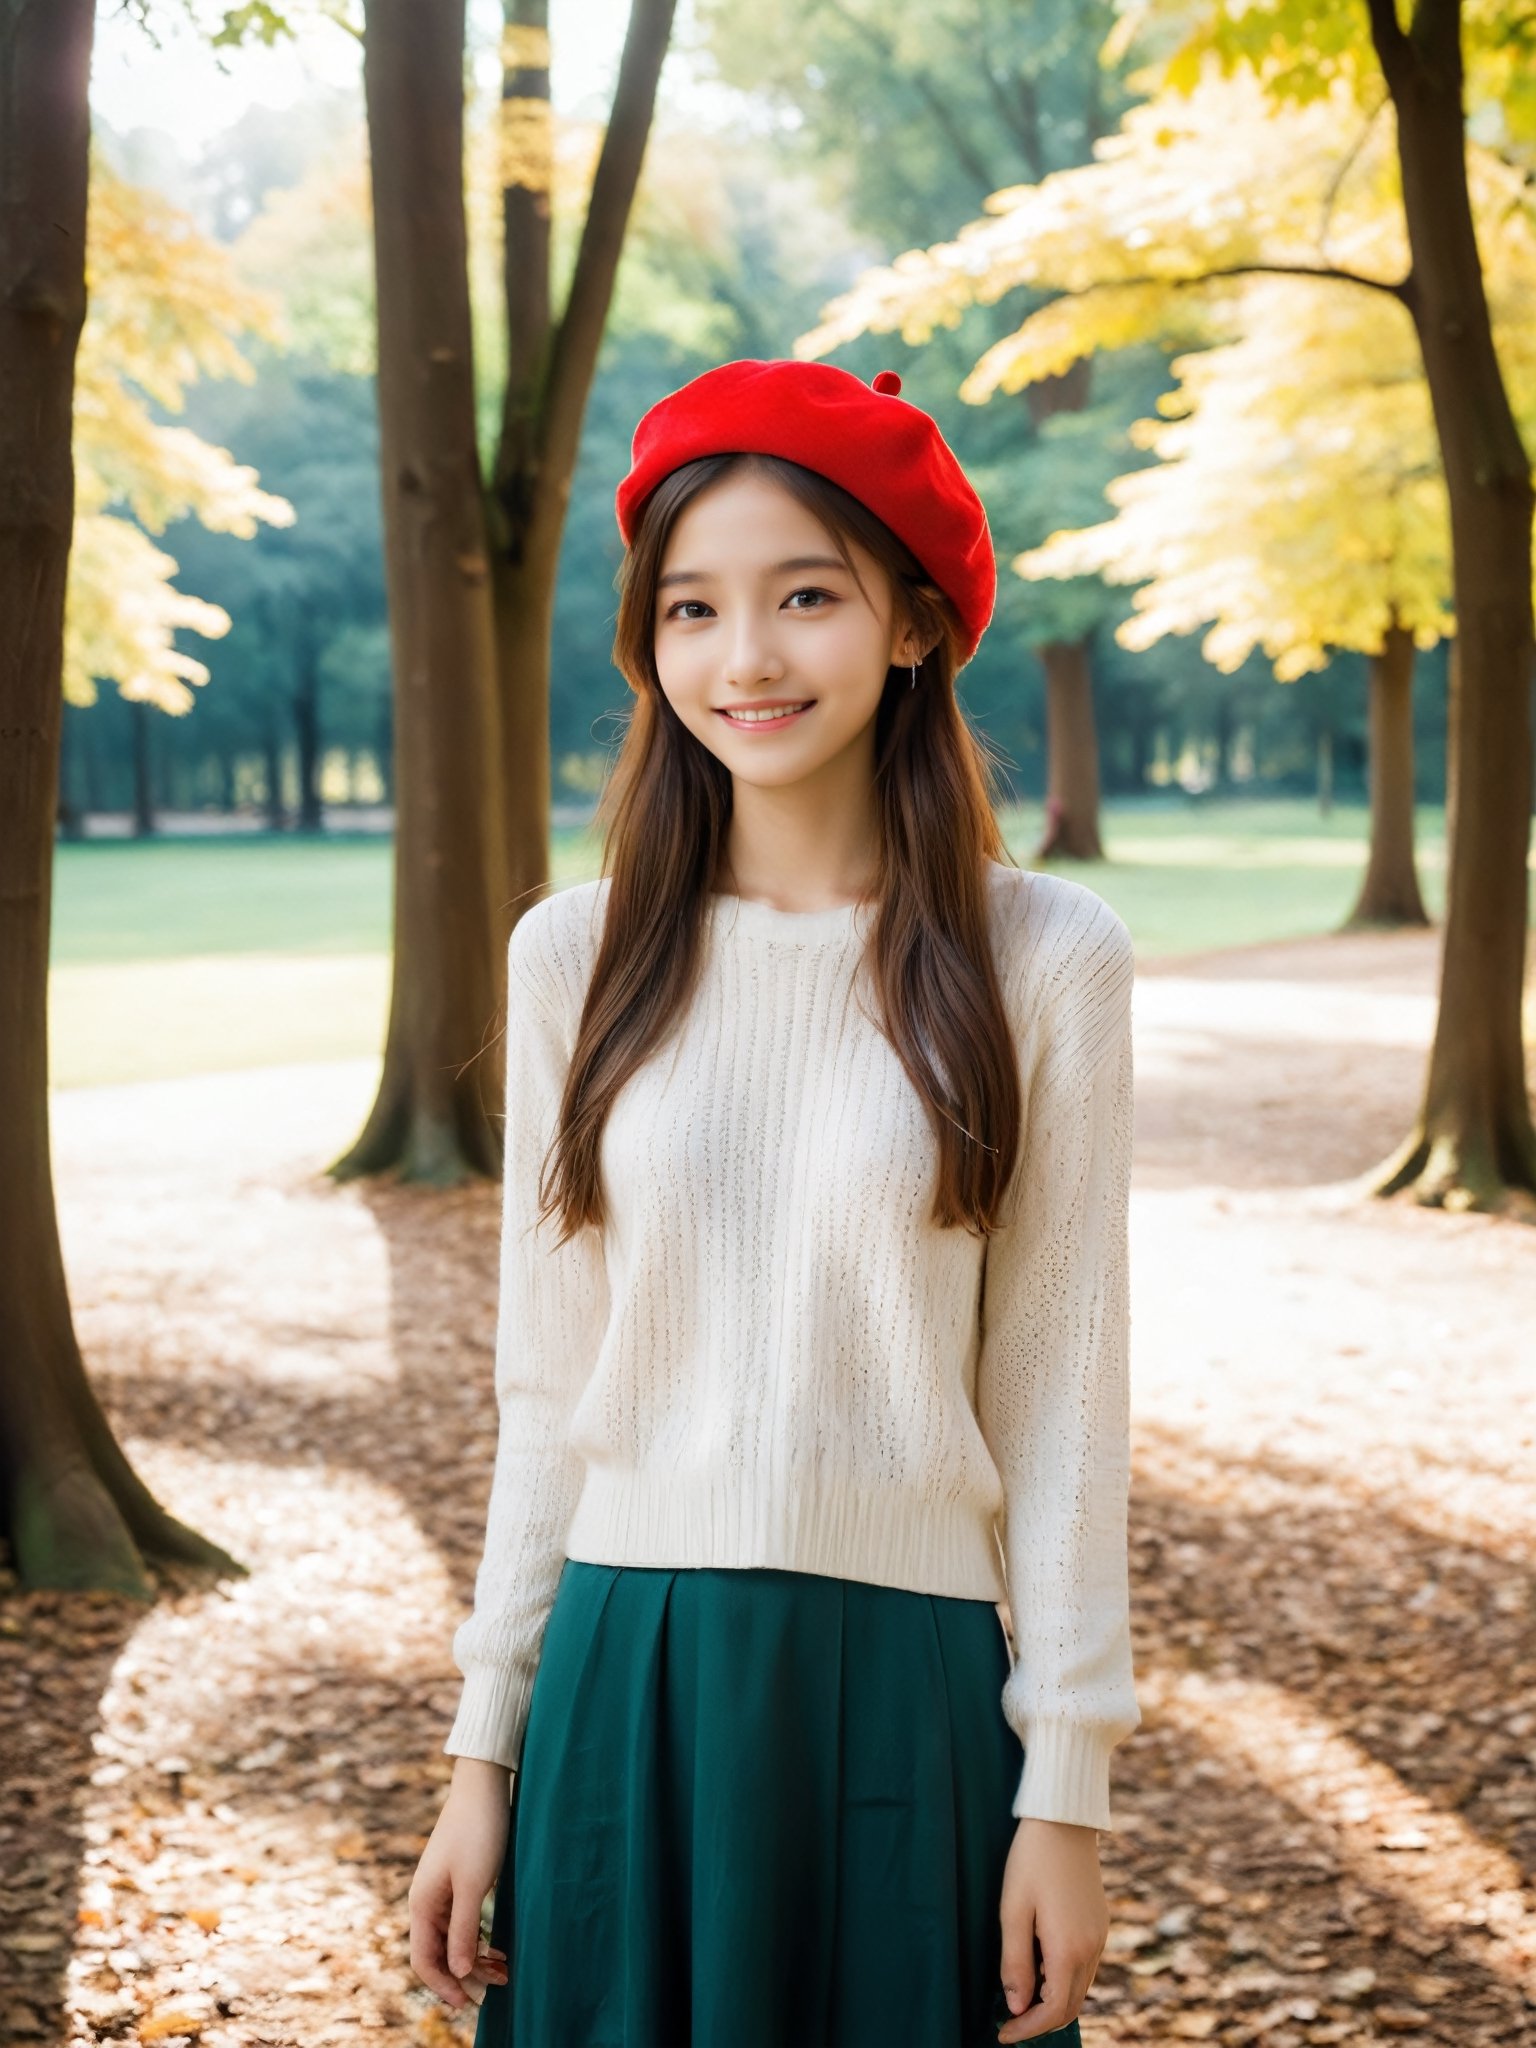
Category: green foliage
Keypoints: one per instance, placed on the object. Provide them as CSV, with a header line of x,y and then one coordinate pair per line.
x,y
311,246
254,22
1055,475
1300,49
908,115
251,21
311,594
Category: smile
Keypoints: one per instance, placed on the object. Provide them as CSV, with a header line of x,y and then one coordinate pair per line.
x,y
769,719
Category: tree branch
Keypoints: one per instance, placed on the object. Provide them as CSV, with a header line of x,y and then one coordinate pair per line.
x,y
1020,118
1401,290
578,337
973,165
1014,118
1391,44
1346,165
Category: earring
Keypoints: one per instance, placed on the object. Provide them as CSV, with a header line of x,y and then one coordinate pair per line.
x,y
913,684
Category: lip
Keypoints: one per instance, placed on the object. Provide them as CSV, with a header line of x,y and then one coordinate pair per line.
x,y
765,725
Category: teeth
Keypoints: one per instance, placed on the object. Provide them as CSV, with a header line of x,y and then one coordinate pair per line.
x,y
759,717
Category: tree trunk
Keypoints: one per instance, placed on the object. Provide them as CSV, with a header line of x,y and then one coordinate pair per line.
x,y
549,375
139,715
384,750
73,1512
306,725
431,1117
272,756
1141,754
68,811
1473,1143
96,792
1389,895
1071,739
1225,734
1072,751
1324,760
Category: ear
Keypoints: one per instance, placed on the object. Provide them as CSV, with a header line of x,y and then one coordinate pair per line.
x,y
909,645
910,649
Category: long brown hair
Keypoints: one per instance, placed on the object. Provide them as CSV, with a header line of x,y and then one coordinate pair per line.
x,y
664,816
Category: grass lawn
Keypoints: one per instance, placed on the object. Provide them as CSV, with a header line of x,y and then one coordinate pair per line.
x,y
196,954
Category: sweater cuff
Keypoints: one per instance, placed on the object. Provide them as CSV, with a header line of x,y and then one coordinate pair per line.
x,y
1065,1775
493,1708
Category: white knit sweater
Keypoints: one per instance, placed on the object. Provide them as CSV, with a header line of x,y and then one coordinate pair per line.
x,y
773,1357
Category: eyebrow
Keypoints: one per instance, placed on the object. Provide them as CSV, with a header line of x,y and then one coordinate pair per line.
x,y
778,569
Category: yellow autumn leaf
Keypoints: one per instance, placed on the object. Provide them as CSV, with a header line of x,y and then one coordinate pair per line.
x,y
1297,504
165,309
166,2025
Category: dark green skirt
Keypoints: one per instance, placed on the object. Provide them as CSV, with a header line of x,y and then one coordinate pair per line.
x,y
757,1809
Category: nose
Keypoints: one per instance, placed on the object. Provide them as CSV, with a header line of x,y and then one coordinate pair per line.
x,y
751,654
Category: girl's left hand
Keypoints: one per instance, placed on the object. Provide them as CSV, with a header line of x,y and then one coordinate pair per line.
x,y
490,1967
1053,1895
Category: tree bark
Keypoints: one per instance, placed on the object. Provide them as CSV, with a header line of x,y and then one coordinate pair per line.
x,y
1072,751
550,367
73,1512
1389,894
1473,1144
431,1117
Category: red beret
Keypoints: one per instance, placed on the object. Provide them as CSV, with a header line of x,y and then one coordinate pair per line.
x,y
883,450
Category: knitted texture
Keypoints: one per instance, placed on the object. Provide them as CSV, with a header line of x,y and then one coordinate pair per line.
x,y
772,1356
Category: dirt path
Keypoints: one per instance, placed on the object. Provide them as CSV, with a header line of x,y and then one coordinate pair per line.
x,y
1326,1826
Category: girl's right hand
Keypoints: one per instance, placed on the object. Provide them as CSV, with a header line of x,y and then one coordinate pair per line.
x,y
459,1865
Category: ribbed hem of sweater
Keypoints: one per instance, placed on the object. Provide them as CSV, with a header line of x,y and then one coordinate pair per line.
x,y
1065,1775
886,1538
491,1702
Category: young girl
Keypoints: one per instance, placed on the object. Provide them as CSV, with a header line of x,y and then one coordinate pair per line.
x,y
812,1339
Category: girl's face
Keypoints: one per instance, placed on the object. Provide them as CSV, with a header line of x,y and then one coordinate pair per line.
x,y
756,611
